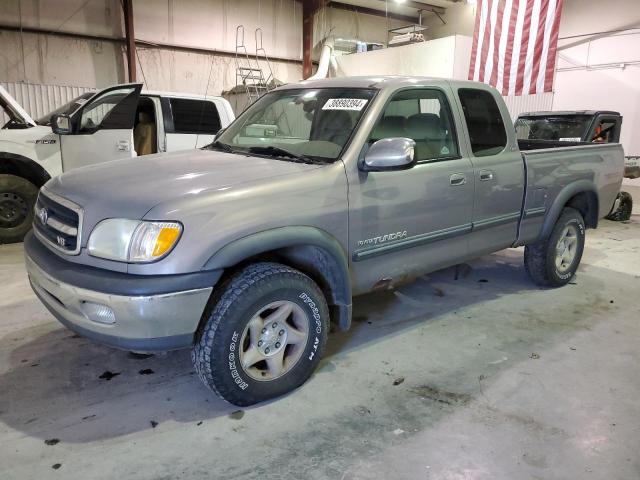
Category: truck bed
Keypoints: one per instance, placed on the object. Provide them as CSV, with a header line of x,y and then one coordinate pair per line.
x,y
550,169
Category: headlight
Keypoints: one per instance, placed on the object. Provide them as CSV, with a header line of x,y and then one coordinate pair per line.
x,y
133,240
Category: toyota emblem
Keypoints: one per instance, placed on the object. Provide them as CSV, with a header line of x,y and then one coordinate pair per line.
x,y
43,215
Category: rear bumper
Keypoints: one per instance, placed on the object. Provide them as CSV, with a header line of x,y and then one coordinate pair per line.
x,y
130,321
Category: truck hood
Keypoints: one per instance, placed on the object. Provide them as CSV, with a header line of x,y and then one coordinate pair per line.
x,y
13,109
130,188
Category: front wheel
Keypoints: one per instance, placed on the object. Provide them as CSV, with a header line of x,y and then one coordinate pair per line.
x,y
17,199
553,262
264,335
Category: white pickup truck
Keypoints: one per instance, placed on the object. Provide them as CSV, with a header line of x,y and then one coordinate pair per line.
x,y
118,122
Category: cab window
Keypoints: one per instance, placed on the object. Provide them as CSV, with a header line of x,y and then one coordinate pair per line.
x,y
194,116
604,131
424,116
102,112
487,132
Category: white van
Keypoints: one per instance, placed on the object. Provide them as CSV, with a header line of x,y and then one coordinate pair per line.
x,y
117,122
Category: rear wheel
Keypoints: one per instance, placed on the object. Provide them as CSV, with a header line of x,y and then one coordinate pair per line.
x,y
553,262
17,199
264,336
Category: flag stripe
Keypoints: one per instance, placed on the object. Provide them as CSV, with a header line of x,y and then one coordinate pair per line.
x,y
502,51
488,67
553,49
474,47
515,45
496,43
538,47
485,41
524,45
510,48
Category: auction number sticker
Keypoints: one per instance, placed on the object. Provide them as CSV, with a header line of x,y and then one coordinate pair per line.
x,y
345,104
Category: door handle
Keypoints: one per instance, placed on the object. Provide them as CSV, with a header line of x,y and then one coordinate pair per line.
x,y
123,146
486,175
457,179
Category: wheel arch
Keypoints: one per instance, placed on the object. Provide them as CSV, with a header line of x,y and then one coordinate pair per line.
x,y
581,195
13,164
308,249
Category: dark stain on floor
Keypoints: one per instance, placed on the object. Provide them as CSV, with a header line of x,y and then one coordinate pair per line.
x,y
441,396
237,415
107,375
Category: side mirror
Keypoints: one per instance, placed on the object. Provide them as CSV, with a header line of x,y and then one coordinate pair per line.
x,y
61,124
390,154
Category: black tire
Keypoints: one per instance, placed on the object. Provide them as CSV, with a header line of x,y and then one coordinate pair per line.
x,y
17,199
220,340
625,206
540,258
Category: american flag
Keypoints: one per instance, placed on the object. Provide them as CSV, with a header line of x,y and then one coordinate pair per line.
x,y
514,45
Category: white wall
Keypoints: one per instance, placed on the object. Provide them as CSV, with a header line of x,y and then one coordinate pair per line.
x,y
446,57
459,18
601,71
208,24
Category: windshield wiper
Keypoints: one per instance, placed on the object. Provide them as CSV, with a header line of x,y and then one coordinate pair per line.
x,y
281,152
219,146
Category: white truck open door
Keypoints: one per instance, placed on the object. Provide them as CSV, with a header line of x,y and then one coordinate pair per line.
x,y
14,110
102,128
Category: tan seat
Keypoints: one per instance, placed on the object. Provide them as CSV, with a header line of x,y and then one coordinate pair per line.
x,y
144,135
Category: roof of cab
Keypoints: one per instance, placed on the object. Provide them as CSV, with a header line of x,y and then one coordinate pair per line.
x,y
378,82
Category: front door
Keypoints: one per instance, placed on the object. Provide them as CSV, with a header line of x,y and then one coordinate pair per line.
x,y
498,172
403,223
102,128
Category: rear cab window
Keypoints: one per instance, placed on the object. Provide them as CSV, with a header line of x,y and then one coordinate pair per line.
x,y
423,115
192,116
487,133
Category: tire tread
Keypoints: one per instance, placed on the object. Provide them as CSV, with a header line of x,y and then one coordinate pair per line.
x,y
229,293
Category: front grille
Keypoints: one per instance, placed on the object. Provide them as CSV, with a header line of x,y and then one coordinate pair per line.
x,y
58,222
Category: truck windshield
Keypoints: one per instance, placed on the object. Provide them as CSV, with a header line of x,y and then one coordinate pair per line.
x,y
296,124
66,109
568,128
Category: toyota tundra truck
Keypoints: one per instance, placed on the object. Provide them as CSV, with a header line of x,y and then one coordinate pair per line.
x,y
246,250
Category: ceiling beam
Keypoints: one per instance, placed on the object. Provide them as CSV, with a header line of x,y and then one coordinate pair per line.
x,y
418,5
372,11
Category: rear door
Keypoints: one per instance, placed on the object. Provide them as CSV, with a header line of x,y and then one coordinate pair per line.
x,y
190,122
498,171
103,128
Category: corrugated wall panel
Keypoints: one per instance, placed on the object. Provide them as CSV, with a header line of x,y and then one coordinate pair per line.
x,y
529,103
39,100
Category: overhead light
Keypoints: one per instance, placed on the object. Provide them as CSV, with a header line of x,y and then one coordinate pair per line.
x,y
399,1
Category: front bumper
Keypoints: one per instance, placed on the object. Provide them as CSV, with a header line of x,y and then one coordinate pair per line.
x,y
137,322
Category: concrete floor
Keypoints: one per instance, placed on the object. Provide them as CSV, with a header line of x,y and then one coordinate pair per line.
x,y
502,380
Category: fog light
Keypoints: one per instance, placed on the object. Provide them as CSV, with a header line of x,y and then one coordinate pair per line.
x,y
98,313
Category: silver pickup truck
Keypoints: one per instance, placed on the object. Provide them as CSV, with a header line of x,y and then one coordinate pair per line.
x,y
246,250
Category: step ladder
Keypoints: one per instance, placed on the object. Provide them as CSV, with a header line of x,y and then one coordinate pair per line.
x,y
249,74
